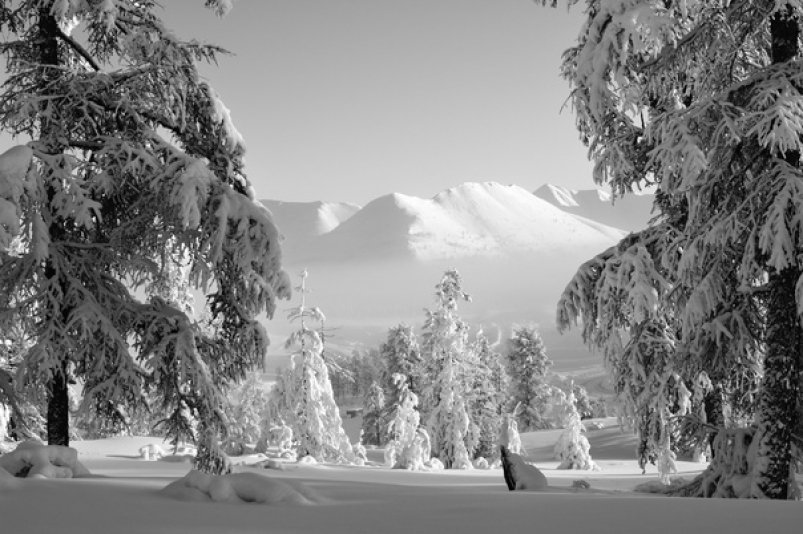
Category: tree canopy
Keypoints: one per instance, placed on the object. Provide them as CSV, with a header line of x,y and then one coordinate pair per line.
x,y
133,167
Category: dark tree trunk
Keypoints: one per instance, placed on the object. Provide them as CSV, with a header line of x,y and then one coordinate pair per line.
x,y
777,403
58,403
58,412
714,414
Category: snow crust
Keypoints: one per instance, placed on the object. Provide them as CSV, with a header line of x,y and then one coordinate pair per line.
x,y
127,499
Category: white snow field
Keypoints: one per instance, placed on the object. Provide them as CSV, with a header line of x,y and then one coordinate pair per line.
x,y
125,496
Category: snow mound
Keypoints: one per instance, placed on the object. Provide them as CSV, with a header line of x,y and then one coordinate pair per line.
x,y
151,452
520,475
32,459
239,488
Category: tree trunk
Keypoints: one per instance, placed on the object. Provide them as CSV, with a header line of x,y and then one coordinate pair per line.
x,y
58,403
776,416
777,405
58,411
714,414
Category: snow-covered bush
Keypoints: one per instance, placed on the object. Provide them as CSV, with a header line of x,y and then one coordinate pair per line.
x,y
33,459
360,454
572,448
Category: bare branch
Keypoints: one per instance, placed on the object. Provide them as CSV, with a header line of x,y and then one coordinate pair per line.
x,y
80,50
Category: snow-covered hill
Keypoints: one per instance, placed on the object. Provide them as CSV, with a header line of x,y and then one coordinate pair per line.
x,y
299,222
628,213
487,219
378,266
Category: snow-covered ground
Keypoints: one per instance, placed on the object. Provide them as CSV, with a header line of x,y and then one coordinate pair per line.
x,y
124,496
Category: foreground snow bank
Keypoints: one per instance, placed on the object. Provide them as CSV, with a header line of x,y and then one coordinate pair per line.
x,y
239,488
32,459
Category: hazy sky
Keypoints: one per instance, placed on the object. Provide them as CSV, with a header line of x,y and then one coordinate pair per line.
x,y
352,99
347,100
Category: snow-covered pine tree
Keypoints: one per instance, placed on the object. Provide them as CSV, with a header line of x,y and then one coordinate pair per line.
x,y
488,395
246,410
311,409
445,351
132,159
409,446
702,98
572,449
527,365
374,419
582,402
401,354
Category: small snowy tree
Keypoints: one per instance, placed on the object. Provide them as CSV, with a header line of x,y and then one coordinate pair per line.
x,y
572,448
409,447
446,353
133,162
582,401
527,365
311,409
247,409
374,423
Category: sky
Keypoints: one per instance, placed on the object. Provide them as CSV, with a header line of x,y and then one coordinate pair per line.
x,y
347,100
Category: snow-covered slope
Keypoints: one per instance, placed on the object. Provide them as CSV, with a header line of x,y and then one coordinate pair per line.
x,y
299,222
628,213
471,220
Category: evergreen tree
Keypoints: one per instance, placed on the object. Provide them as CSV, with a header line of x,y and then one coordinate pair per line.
x,y
702,99
311,409
527,365
445,352
401,355
133,162
582,402
572,448
488,394
247,409
410,446
374,425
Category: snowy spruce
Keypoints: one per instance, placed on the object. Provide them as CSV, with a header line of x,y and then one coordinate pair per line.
x,y
133,167
701,101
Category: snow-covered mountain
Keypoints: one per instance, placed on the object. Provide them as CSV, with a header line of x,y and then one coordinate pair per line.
x,y
374,267
299,222
629,213
486,219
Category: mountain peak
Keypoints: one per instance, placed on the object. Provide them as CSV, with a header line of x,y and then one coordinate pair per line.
x,y
630,212
474,219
